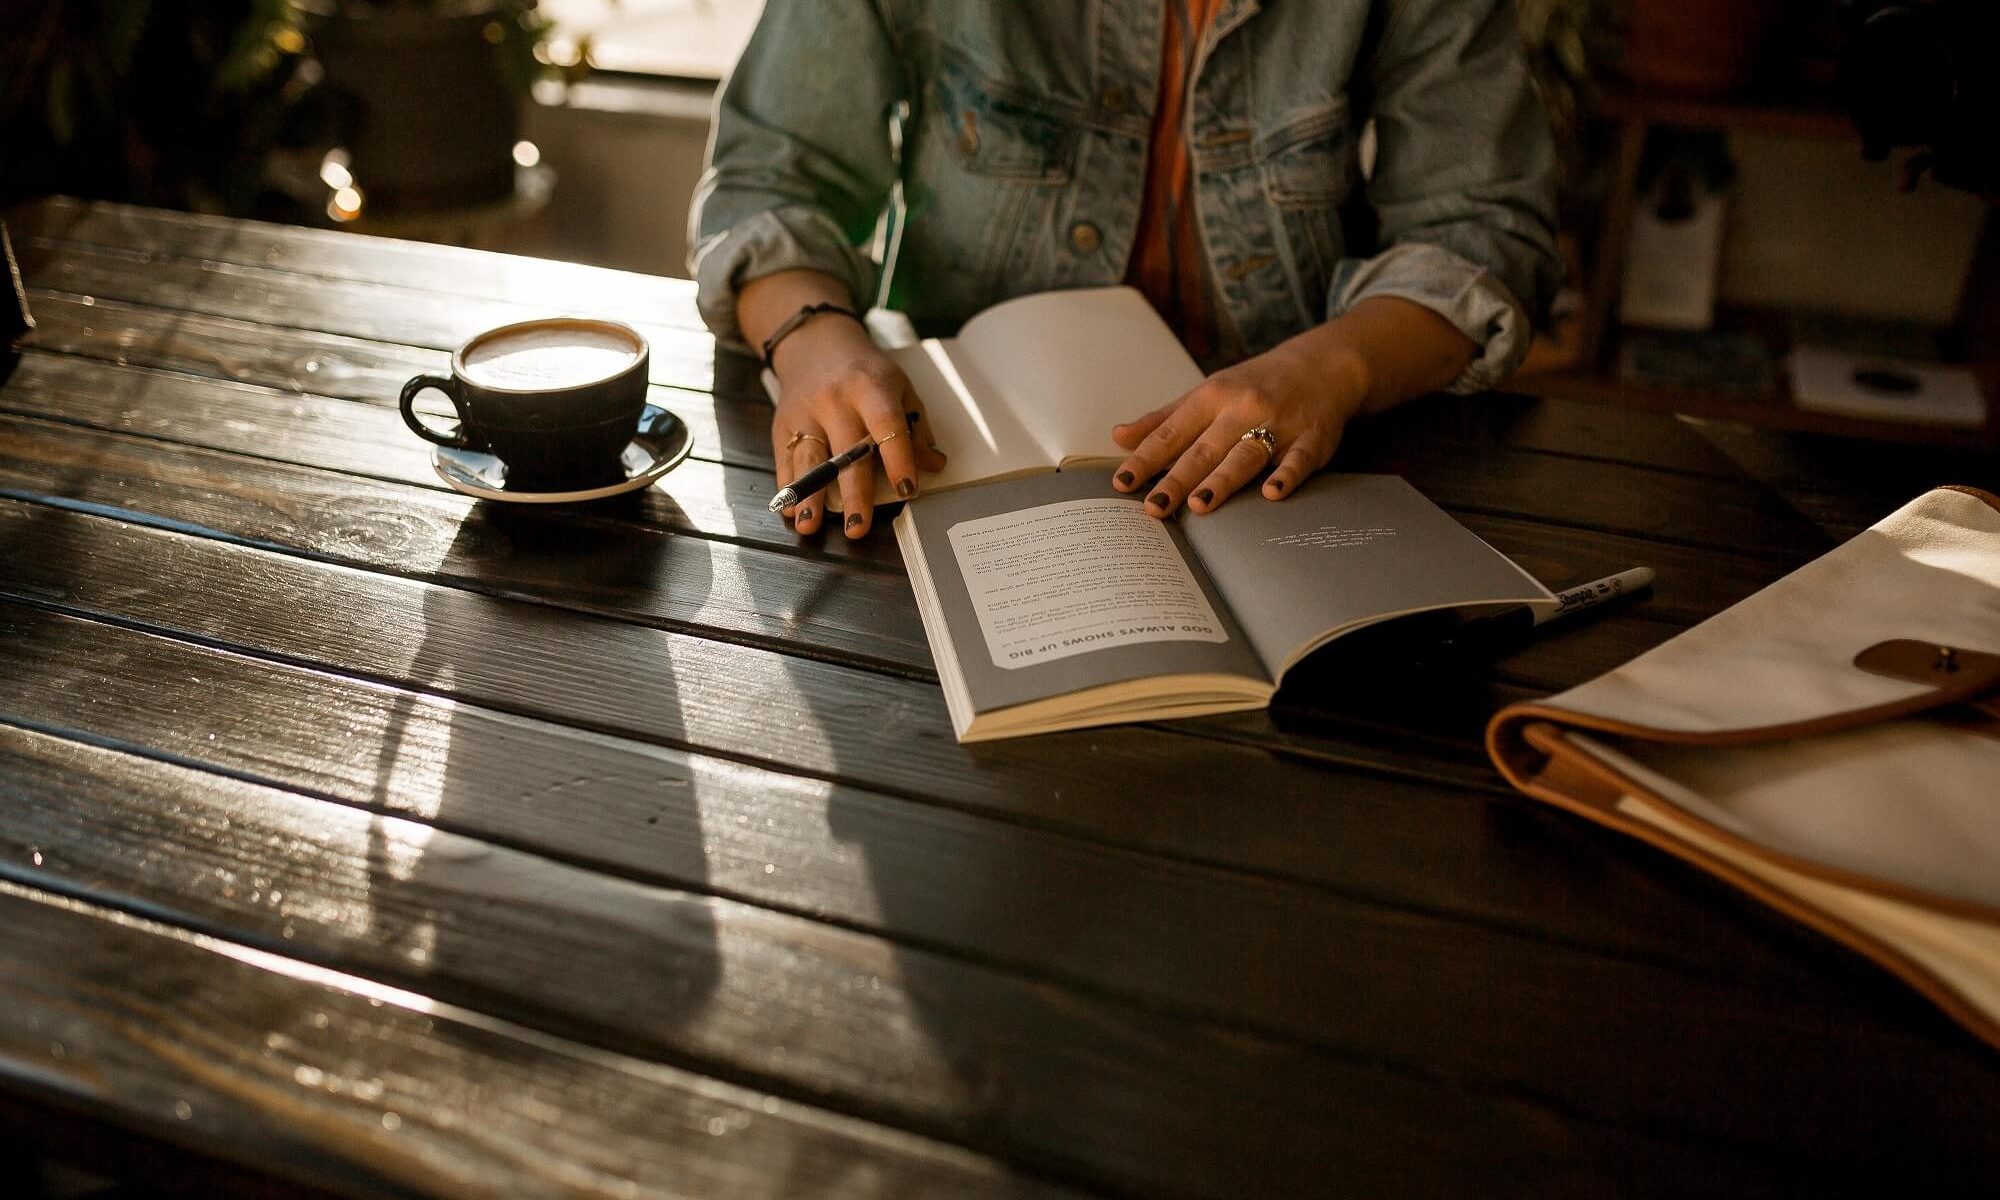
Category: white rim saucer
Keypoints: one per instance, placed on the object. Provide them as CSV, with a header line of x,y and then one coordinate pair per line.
x,y
661,443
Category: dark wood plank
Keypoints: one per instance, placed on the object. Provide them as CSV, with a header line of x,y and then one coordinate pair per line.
x,y
1807,468
1473,475
331,434
326,254
804,606
1181,937
340,1082
323,432
1171,1107
1539,668
1430,847
320,431
1842,482
317,431
912,759
1665,506
664,687
718,502
320,364
1638,438
712,587
376,312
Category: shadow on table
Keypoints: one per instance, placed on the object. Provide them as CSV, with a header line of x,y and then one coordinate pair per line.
x,y
974,910
446,757
912,887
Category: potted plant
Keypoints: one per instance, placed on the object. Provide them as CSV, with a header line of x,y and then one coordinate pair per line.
x,y
429,92
167,102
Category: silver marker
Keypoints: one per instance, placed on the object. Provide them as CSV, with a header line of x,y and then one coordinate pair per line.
x,y
1590,595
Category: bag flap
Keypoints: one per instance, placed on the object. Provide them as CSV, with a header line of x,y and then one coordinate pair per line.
x,y
1902,618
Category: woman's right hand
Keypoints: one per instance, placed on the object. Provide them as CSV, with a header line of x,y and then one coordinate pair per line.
x,y
836,387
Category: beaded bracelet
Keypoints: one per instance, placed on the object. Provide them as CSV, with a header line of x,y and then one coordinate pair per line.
x,y
797,319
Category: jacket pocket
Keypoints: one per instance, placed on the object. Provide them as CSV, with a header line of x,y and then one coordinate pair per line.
x,y
1310,161
990,169
1307,168
990,130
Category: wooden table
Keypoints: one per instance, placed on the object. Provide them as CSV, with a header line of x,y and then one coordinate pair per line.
x,y
357,835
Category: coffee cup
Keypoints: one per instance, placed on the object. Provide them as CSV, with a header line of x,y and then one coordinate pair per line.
x,y
556,399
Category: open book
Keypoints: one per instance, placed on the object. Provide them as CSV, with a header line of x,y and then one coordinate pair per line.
x,y
1052,601
1033,384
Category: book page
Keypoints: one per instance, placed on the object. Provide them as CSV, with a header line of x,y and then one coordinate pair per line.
x,y
981,439
1052,584
1342,552
1073,364
1074,576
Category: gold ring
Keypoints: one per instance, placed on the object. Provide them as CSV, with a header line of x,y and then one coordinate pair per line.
x,y
889,437
807,437
1264,438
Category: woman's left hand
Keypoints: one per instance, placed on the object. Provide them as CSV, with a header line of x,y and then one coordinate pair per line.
x,y
1303,392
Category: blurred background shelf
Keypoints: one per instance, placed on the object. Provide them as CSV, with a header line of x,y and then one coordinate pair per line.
x,y
1802,116
1802,141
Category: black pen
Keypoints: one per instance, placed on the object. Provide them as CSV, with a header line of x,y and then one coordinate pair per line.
x,y
818,477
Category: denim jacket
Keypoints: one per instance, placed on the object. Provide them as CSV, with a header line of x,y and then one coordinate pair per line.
x,y
1015,132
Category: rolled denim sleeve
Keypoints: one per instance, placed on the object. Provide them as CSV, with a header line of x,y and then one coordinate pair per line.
x,y
799,164
1464,180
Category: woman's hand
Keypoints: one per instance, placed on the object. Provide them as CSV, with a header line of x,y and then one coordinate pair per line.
x,y
837,387
1380,352
1302,397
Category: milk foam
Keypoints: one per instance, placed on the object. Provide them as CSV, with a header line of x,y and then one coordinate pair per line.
x,y
556,356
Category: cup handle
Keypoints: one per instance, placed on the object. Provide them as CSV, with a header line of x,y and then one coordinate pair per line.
x,y
449,387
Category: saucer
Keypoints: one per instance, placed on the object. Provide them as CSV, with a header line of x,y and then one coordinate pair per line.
x,y
660,444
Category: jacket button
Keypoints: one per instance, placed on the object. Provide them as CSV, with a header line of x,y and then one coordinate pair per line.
x,y
1115,99
1084,237
968,133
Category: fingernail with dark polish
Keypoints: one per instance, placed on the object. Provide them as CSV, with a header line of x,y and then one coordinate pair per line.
x,y
1158,500
1277,485
906,488
854,520
1205,496
805,514
1125,478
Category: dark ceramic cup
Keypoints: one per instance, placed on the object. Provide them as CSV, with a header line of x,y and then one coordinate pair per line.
x,y
557,399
